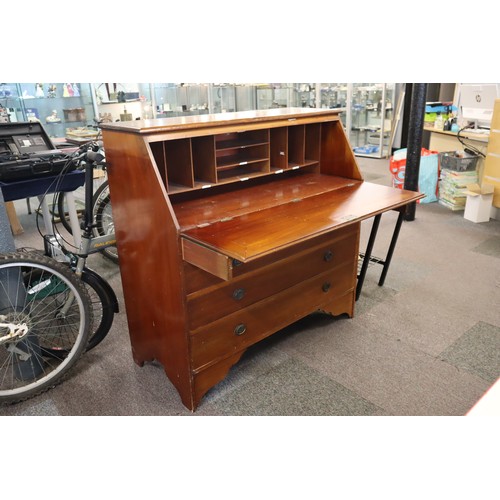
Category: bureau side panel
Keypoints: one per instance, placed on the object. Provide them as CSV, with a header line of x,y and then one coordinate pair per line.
x,y
150,258
337,157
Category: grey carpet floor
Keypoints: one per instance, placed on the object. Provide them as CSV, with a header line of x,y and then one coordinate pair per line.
x,y
426,343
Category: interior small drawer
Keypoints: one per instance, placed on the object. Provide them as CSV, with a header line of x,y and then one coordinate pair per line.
x,y
243,328
209,260
227,297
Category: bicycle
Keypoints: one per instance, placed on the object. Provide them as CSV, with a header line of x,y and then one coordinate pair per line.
x,y
46,311
104,301
101,208
102,215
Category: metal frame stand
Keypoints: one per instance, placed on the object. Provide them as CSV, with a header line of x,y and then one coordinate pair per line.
x,y
367,256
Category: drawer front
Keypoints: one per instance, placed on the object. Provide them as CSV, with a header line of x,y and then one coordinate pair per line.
x,y
304,246
196,279
227,297
247,326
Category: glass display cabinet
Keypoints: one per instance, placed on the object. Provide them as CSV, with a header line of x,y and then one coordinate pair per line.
x,y
305,95
335,96
10,106
62,107
245,97
367,108
370,115
275,95
123,101
222,98
181,99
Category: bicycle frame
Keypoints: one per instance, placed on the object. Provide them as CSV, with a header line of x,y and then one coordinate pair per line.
x,y
85,243
89,244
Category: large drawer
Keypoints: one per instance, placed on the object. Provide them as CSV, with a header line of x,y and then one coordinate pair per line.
x,y
227,297
243,328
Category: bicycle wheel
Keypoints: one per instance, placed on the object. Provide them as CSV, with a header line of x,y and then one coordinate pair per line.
x,y
100,178
103,217
102,300
45,320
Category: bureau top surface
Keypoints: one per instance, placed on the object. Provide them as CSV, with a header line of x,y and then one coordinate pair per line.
x,y
219,119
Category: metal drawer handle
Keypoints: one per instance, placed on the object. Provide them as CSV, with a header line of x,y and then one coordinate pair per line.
x,y
328,256
239,293
240,329
326,286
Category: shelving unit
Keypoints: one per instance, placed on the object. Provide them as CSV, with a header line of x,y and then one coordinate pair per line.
x,y
202,162
242,154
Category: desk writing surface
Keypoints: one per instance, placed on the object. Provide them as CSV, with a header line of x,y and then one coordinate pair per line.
x,y
255,234
286,188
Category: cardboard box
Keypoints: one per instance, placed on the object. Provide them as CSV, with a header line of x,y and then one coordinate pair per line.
x,y
491,172
495,212
478,204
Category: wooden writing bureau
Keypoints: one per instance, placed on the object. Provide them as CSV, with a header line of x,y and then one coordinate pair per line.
x,y
232,226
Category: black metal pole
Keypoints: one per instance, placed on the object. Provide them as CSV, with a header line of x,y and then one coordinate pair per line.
x,y
406,114
415,130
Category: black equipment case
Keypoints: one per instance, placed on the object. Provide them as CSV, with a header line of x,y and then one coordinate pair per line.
x,y
26,152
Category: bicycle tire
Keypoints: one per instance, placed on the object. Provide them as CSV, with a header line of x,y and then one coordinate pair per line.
x,y
103,302
55,307
103,218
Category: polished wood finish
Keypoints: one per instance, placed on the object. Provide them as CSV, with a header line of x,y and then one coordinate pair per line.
x,y
231,227
224,298
259,232
215,263
221,338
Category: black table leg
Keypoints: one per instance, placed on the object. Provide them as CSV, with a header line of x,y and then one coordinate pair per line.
x,y
392,246
368,253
